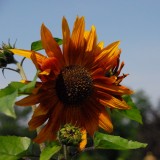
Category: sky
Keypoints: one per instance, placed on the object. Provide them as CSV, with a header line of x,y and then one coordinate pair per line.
x,y
135,23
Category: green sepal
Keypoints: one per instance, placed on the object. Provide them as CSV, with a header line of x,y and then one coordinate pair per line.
x,y
105,141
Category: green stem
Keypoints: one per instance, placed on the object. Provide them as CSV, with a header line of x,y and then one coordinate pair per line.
x,y
21,71
23,76
65,152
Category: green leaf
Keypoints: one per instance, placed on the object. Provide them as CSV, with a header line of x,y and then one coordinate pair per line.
x,y
49,151
27,88
37,45
105,141
9,94
7,100
59,41
133,113
12,147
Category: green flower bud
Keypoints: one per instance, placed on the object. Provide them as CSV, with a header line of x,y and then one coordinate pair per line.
x,y
70,135
9,57
6,56
7,46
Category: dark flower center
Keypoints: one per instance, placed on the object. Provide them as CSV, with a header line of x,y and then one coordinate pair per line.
x,y
74,85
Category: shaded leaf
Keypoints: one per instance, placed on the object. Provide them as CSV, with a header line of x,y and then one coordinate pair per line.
x,y
49,151
133,113
105,141
9,94
7,100
12,147
27,88
37,45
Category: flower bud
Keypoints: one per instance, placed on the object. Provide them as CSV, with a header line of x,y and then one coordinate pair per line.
x,y
6,56
9,57
70,135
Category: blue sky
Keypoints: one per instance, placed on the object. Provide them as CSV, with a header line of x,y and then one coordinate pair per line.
x,y
135,23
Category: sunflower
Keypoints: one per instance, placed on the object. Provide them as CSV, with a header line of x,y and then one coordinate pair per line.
x,y
78,82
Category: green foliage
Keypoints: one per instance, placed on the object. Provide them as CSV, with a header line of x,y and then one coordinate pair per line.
x,y
50,150
37,45
27,88
105,141
133,113
9,94
12,147
7,98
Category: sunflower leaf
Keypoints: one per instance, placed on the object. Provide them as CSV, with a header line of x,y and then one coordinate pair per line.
x,y
133,113
7,99
27,88
37,45
12,147
58,40
49,151
9,94
105,141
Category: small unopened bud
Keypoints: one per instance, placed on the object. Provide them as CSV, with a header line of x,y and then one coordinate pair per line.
x,y
8,46
6,56
70,135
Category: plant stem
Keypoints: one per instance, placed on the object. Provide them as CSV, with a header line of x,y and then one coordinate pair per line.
x,y
65,151
23,76
21,71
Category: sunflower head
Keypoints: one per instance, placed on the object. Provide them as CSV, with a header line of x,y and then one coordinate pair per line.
x,y
78,82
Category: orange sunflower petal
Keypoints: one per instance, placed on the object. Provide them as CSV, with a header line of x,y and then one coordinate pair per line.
x,y
113,89
66,40
76,48
105,80
90,115
108,55
49,131
72,114
50,45
108,51
37,121
105,121
31,99
45,133
91,41
84,140
112,102
37,60
46,72
52,64
78,32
